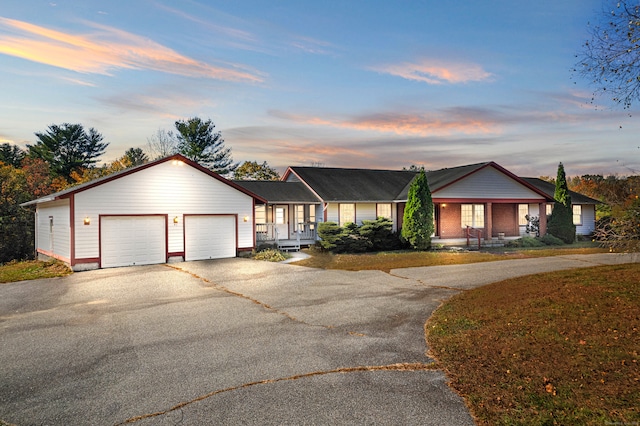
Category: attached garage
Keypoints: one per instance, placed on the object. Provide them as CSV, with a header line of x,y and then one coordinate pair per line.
x,y
168,210
209,236
132,240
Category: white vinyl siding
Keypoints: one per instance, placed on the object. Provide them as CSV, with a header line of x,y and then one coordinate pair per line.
x,y
54,241
473,215
588,220
172,188
488,183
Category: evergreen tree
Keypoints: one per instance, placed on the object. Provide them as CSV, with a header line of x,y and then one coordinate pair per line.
x,y
417,224
198,142
67,148
561,221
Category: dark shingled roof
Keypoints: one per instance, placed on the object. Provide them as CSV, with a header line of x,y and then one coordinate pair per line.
x,y
550,189
275,191
349,185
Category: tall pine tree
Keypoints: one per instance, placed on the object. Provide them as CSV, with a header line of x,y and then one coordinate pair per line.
x,y
417,222
561,222
198,141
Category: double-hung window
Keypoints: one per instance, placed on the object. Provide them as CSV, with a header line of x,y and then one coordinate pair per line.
x,y
472,215
577,215
383,210
347,213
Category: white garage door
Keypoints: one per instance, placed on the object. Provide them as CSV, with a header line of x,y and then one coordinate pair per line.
x,y
209,237
132,240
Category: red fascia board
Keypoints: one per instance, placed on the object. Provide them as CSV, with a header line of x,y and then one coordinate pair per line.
x,y
289,171
503,171
175,157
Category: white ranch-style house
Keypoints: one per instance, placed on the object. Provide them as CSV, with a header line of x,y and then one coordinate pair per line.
x,y
173,209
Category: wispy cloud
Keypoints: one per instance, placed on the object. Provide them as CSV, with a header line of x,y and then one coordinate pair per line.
x,y
466,121
432,71
105,50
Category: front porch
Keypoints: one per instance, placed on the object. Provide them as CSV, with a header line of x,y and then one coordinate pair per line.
x,y
278,234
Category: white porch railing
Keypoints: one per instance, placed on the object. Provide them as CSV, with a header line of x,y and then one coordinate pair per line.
x,y
268,231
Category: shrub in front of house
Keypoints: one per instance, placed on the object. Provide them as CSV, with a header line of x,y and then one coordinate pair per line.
x,y
550,240
372,235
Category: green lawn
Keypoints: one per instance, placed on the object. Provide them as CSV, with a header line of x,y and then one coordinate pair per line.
x,y
385,261
31,270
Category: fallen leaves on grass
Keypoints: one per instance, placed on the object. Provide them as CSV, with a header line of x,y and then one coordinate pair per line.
x,y
558,348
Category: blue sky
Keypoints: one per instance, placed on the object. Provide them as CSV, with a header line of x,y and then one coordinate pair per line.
x,y
381,84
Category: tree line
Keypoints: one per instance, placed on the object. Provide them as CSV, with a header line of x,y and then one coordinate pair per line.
x,y
65,155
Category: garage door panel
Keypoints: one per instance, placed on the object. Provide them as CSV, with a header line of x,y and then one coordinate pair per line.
x,y
132,240
210,237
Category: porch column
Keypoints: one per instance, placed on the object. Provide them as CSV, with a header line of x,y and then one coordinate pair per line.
x,y
488,222
543,218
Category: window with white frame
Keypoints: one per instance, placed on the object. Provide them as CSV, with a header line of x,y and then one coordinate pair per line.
x,y
261,214
523,212
577,215
347,213
383,210
472,215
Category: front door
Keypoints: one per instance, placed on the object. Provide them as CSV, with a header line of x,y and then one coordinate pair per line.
x,y
282,222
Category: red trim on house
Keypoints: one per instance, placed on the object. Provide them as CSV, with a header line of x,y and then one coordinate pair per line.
x,y
245,248
175,157
488,200
175,254
286,176
500,169
88,260
53,255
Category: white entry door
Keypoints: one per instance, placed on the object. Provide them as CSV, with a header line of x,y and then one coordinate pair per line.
x,y
209,237
282,222
132,240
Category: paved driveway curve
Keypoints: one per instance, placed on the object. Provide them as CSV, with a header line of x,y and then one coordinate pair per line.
x,y
235,341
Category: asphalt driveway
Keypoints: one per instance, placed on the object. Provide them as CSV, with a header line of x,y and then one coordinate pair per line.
x,y
235,341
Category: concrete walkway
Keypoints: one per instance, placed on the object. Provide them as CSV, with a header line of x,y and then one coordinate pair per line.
x,y
236,341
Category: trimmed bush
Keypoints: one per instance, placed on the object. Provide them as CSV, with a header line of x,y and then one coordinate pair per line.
x,y
550,240
373,235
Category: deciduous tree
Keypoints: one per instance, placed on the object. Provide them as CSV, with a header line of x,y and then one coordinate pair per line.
x,y
610,59
162,144
251,170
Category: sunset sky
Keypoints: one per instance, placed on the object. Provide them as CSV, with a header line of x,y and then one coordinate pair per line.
x,y
370,84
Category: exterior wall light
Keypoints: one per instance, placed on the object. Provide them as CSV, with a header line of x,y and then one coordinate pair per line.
x,y
175,220
443,205
246,218
87,220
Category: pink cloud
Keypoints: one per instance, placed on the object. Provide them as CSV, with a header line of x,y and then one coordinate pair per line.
x,y
106,50
451,122
437,72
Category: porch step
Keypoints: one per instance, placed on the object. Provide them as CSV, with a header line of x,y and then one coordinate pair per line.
x,y
289,247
